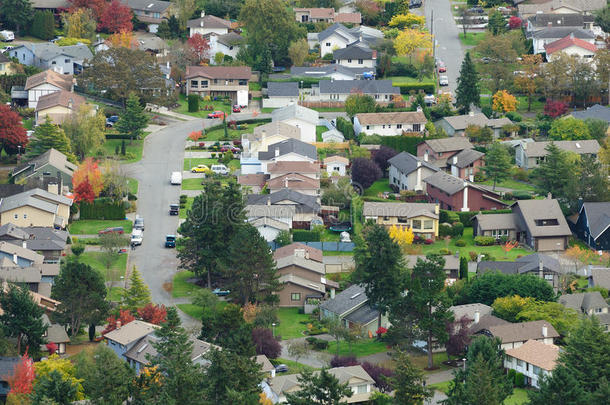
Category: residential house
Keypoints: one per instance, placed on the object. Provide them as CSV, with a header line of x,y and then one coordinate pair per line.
x,y
421,218
18,255
533,359
338,36
351,307
439,151
593,225
473,312
559,7
552,34
219,81
227,44
281,94
455,194
267,368
254,182
291,150
301,117
52,163
333,135
539,224
282,168
514,335
67,60
55,333
46,82
328,15
358,380
125,337
269,219
58,106
571,46
456,125
466,164
55,6
259,141
154,46
529,155
540,21
336,165
356,55
331,71
599,277
7,371
302,274
295,181
451,266
338,91
43,301
35,207
389,124
49,242
150,12
590,304
596,111
306,207
20,264
6,67
208,24
540,265
406,172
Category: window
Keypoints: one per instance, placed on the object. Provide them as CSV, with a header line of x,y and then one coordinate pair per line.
x,y
399,126
389,126
386,218
360,61
368,127
66,60
328,44
231,81
295,296
546,222
16,216
440,154
204,84
428,224
527,366
194,83
548,277
416,127
349,61
598,310
383,126
361,389
243,82
519,363
536,370
215,81
53,63
403,220
376,96
417,223
25,216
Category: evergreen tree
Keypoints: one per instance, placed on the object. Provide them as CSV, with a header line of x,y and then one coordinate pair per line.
x,y
496,23
53,388
46,136
133,120
551,174
250,267
16,14
467,91
321,388
137,295
379,268
592,184
227,328
231,378
497,163
21,318
463,268
409,382
560,389
123,149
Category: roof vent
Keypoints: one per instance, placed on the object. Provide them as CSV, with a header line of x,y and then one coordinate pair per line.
x,y
141,349
354,296
578,145
150,5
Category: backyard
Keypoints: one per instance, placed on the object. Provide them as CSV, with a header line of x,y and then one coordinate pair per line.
x,y
93,226
290,326
95,260
362,347
380,186
320,129
512,184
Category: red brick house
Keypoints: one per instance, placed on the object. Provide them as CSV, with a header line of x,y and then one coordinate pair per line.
x,y
466,164
455,194
439,151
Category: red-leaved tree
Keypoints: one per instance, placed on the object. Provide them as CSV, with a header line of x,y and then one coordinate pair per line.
x,y
381,375
199,47
459,336
22,380
514,22
155,314
555,109
124,317
12,132
116,18
87,181
97,6
51,348
265,343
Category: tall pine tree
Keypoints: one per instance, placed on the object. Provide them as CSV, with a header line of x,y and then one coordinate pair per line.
x,y
22,319
133,120
551,174
497,163
137,295
408,382
467,91
46,136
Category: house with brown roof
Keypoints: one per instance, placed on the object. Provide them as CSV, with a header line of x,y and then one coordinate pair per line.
x,y
46,82
52,163
58,106
455,194
389,124
529,155
533,359
253,182
125,337
513,335
295,181
540,265
219,81
421,218
208,24
307,169
438,151
328,15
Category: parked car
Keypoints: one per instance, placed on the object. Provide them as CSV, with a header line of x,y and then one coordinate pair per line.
x,y
201,169
236,108
137,235
170,241
56,39
110,121
476,9
415,3
115,229
221,293
216,114
176,178
139,223
443,80
442,68
220,169
281,368
174,209
430,99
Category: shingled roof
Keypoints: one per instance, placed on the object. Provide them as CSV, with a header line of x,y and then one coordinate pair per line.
x,y
406,117
407,163
61,98
219,72
538,149
536,353
519,332
399,209
598,216
449,144
49,76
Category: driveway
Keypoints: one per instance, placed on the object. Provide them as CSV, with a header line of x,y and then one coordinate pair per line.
x,y
448,45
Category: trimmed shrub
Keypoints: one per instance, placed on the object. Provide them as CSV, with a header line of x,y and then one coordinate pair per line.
x,y
444,251
457,230
78,249
519,380
345,127
407,88
511,375
460,243
473,256
402,143
301,235
102,209
445,230
344,361
193,102
484,240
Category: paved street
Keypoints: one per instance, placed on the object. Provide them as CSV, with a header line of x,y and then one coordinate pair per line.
x,y
448,46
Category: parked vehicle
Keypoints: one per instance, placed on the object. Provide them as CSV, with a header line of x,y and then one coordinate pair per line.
x,y
170,241
443,81
174,209
176,178
415,3
220,169
442,68
139,223
137,235
7,36
476,9
216,114
115,229
281,368
201,169
236,108
220,293
110,121
429,99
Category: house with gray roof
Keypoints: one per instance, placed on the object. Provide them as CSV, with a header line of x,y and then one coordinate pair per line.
x,y
50,164
549,35
228,44
455,194
66,60
438,151
208,24
456,125
466,164
513,335
540,21
537,264
593,225
338,36
558,7
451,266
406,172
331,71
337,91
7,371
351,307
474,312
281,94
588,303
301,117
356,55
529,155
49,242
291,150
599,277
597,111
150,12
55,333
35,207
282,210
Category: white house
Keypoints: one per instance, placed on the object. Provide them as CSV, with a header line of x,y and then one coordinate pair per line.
x,y
331,71
406,172
533,359
389,124
571,46
208,24
67,60
281,94
301,117
338,36
336,164
44,83
356,55
552,34
289,150
334,135
529,155
270,220
228,44
259,141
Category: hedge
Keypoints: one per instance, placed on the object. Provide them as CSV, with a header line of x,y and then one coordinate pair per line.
x,y
345,126
248,121
466,217
193,102
406,88
102,210
118,136
484,240
519,380
301,235
8,81
402,143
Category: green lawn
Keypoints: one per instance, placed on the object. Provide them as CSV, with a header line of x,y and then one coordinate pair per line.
x,y
132,184
442,386
189,163
254,86
293,366
496,250
267,110
93,226
398,80
114,294
233,134
363,347
218,106
320,129
472,38
192,310
537,105
133,149
290,326
518,397
330,236
377,187
192,184
510,183
181,287
94,259
421,361
188,205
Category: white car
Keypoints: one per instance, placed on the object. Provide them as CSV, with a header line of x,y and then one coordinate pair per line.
x,y
137,235
443,80
220,169
429,99
176,178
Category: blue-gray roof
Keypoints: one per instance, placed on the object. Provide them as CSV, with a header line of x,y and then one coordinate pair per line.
x,y
303,202
289,146
596,111
598,216
327,71
283,89
350,298
355,51
361,86
407,163
339,29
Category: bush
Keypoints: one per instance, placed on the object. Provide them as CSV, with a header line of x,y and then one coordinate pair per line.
x,y
183,198
193,102
445,230
511,375
346,361
381,375
265,343
519,380
460,243
484,240
487,110
407,88
102,209
473,256
401,143
77,250
458,229
513,116
301,235
444,251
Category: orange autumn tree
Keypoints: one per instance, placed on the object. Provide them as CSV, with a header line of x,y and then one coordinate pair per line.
x,y
22,381
504,102
87,181
124,39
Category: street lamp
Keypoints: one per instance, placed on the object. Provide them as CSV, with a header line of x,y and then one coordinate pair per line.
x,y
19,148
273,326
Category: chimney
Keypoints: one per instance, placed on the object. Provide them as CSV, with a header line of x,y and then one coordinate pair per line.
x,y
118,324
70,103
455,160
436,209
277,152
549,196
24,244
201,23
15,258
53,188
286,182
477,316
202,14
167,64
471,113
545,331
419,109
471,178
269,201
465,197
540,268
426,156
332,293
307,254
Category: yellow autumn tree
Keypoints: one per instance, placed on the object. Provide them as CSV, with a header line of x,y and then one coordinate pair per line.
x,y
65,368
123,39
504,102
508,307
410,40
250,311
264,400
402,21
79,23
402,235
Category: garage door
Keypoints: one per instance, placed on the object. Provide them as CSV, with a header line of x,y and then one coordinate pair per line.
x,y
550,244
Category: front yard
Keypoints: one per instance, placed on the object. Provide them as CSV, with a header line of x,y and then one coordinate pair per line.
x,y
290,326
189,163
472,39
181,287
232,134
192,184
93,226
116,270
362,347
218,106
187,206
133,149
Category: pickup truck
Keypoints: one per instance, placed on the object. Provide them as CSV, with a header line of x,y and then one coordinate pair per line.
x,y
170,241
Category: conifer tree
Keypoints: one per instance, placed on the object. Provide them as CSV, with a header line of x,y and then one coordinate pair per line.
x,y
46,136
137,295
133,120
467,91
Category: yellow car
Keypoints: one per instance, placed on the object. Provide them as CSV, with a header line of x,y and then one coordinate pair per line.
x,y
201,169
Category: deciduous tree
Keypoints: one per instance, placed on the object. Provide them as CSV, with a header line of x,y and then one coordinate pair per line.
x,y
529,81
22,318
124,317
199,48
382,156
85,129
365,172
116,18
125,39
555,109
497,163
459,336
569,129
155,314
48,135
22,380
514,22
357,103
53,373
184,11
80,23
265,343
496,23
402,235
504,102
12,132
410,40
402,21
467,92
298,51
87,181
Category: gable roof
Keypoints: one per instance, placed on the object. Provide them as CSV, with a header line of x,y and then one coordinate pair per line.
x,y
533,210
338,29
78,51
268,222
52,157
333,135
350,298
485,322
293,167
230,39
300,261
12,249
469,310
488,222
360,86
567,42
596,111
61,98
156,6
399,209
600,277
363,315
294,181
269,211
525,264
562,32
45,238
302,282
275,128
583,302
326,71
209,21
336,159
7,367
461,122
536,353
466,157
21,199
282,89
519,332
219,72
131,332
289,250
449,144
351,18
296,111
563,20
407,117
538,149
50,76
446,182
289,146
308,202
598,217
406,163
355,51
264,362
13,231
253,179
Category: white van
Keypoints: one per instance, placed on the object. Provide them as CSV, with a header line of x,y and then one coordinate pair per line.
x,y
176,178
220,169
7,36
136,237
